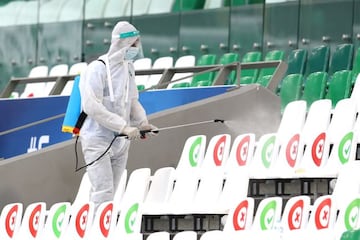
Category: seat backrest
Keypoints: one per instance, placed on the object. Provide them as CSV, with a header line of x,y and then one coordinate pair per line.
x,y
217,152
183,61
296,213
36,89
193,152
315,87
160,6
159,63
10,220
104,221
32,222
273,55
323,215
59,70
241,153
296,61
228,58
80,222
83,192
264,80
120,190
341,58
290,90
318,59
57,221
77,68
339,86
185,235
204,60
240,216
160,189
142,64
267,213
250,75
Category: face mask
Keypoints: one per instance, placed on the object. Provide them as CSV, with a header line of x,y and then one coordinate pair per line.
x,y
131,53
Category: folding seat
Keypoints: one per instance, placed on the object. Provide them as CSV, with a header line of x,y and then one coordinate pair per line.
x,y
339,86
273,55
318,60
159,63
228,58
240,216
75,69
142,64
204,79
296,61
277,154
264,80
10,220
341,58
36,89
241,153
57,221
313,136
185,235
356,65
217,152
193,152
291,89
162,235
83,192
250,75
119,192
80,222
56,71
104,222
32,223
315,87
183,61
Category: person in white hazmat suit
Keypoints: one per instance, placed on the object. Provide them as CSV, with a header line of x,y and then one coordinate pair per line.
x,y
109,97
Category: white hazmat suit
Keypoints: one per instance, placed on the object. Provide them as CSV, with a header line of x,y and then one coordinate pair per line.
x,y
109,97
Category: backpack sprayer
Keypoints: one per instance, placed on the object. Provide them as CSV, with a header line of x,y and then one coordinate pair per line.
x,y
143,135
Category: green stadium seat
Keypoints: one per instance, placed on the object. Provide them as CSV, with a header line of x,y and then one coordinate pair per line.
x,y
315,87
318,60
228,58
249,76
290,89
181,85
339,86
296,61
264,80
228,3
187,5
140,87
204,60
342,58
273,55
202,83
356,65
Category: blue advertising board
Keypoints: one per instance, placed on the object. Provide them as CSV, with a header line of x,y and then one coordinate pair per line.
x,y
29,124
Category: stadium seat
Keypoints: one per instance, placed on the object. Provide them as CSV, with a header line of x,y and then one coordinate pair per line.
x,y
312,137
204,79
296,61
296,213
315,87
183,61
186,5
339,86
83,192
356,65
250,75
142,64
56,71
318,60
240,216
217,152
228,58
185,235
80,222
75,69
36,89
104,221
116,8
57,220
10,220
193,152
119,192
341,58
160,6
291,89
159,63
180,85
264,80
241,153
274,55
32,222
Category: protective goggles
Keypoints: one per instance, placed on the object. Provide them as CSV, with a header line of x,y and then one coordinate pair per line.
x,y
127,34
